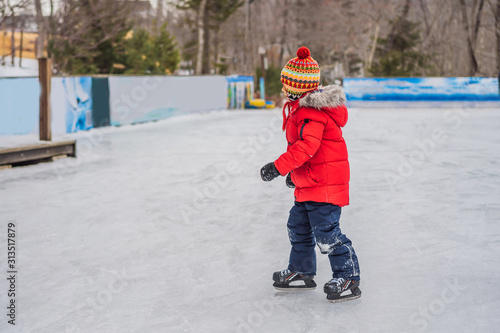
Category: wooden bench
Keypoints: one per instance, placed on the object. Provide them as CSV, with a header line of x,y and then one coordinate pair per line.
x,y
31,154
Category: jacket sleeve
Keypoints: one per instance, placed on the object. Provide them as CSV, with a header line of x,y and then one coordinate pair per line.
x,y
310,132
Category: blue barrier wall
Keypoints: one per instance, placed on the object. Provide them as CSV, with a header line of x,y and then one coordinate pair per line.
x,y
19,100
71,101
76,105
71,105
137,99
423,89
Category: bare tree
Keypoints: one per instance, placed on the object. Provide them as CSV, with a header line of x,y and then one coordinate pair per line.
x,y
4,11
495,8
340,32
159,15
40,45
12,39
8,8
397,26
471,30
83,29
201,35
22,27
8,11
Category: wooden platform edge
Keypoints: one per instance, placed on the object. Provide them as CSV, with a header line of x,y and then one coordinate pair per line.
x,y
38,152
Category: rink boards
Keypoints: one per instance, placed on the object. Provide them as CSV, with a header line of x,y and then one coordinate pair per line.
x,y
82,103
436,89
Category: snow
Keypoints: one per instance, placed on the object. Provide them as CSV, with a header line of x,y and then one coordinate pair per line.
x,y
167,227
29,68
12,141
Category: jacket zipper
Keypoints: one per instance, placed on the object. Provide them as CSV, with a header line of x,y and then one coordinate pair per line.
x,y
306,121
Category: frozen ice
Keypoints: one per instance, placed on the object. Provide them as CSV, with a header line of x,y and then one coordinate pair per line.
x,y
167,227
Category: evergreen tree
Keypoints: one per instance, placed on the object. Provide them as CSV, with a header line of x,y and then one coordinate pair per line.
x,y
272,80
397,55
149,54
165,52
137,53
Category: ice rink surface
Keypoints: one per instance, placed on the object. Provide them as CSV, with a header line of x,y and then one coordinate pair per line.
x,y
167,227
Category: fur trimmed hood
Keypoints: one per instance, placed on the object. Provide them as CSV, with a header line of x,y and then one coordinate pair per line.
x,y
325,97
331,100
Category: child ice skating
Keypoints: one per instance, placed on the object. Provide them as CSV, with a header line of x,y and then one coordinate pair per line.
x,y
316,164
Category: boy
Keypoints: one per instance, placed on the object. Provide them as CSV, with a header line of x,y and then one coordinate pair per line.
x,y
316,164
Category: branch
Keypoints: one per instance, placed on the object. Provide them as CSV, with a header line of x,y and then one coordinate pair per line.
x,y
426,21
478,20
493,11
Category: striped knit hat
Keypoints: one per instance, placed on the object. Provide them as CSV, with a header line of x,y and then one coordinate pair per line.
x,y
301,74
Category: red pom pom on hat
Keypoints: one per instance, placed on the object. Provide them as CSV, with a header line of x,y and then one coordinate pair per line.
x,y
303,52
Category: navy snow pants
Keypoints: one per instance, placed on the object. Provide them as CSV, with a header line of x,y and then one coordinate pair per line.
x,y
312,223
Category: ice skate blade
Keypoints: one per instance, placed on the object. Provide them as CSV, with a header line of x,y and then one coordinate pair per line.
x,y
344,299
307,285
295,289
355,294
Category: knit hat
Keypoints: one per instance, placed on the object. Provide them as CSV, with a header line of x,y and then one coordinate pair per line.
x,y
301,74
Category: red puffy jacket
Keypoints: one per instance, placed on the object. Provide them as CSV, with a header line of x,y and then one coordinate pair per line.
x,y
317,153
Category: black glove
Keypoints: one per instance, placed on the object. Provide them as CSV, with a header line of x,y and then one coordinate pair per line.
x,y
289,182
269,172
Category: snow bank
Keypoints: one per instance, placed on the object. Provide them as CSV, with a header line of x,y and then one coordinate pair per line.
x,y
29,68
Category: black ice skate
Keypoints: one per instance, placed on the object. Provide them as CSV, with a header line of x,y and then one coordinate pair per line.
x,y
335,287
287,280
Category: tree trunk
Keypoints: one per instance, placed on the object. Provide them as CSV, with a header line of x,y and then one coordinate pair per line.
x,y
374,47
206,43
473,66
201,37
21,45
423,6
497,33
216,45
41,30
284,31
251,39
50,27
247,37
159,16
478,21
12,42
